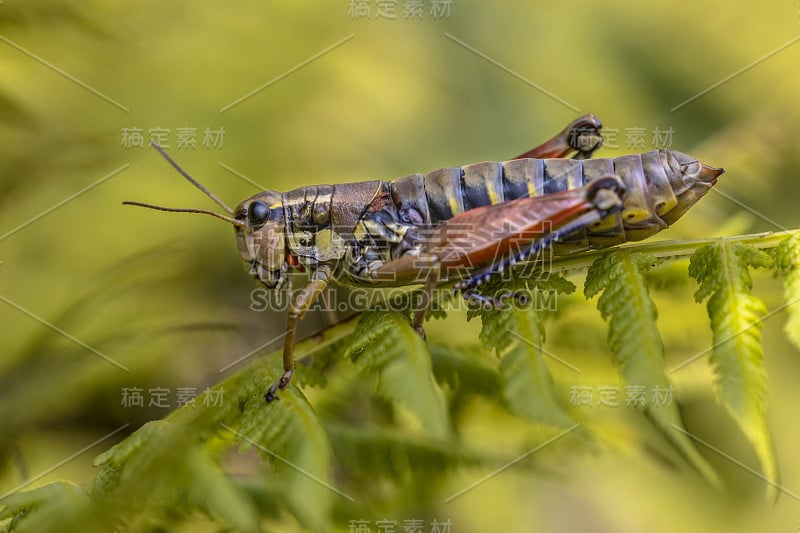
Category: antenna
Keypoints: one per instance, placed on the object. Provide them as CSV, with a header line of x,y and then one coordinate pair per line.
x,y
193,181
187,210
196,184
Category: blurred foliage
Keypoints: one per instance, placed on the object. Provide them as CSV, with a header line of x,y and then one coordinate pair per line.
x,y
164,295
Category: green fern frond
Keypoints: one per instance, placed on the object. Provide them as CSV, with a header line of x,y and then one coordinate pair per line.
x,y
169,470
323,360
142,451
737,355
787,263
387,344
499,329
636,344
318,354
550,281
516,335
62,503
140,475
540,286
214,492
464,370
381,452
288,433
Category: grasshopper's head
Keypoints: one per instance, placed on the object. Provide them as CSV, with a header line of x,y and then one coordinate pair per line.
x,y
260,237
259,226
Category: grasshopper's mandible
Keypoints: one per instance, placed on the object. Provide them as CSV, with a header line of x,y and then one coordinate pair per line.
x,y
471,221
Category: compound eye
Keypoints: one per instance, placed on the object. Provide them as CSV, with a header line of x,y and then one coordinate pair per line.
x,y
257,214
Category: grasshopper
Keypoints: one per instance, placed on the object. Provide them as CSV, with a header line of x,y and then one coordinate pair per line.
x,y
466,223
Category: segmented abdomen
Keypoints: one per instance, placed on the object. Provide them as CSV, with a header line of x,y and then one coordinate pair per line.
x,y
651,180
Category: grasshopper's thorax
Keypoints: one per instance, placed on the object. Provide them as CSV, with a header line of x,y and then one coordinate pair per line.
x,y
261,239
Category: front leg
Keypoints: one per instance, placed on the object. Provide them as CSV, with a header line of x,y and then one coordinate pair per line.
x,y
582,135
297,310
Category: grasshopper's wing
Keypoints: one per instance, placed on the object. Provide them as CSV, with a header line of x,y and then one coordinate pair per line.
x,y
486,234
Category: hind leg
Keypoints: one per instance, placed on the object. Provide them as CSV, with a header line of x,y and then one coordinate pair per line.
x,y
582,136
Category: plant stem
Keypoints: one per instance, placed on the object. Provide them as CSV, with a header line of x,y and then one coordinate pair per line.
x,y
664,249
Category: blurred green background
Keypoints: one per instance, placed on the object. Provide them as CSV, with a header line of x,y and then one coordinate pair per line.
x,y
166,296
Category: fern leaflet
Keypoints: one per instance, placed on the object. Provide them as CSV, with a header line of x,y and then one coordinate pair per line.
x,y
787,263
516,335
634,339
289,434
386,343
737,355
141,472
